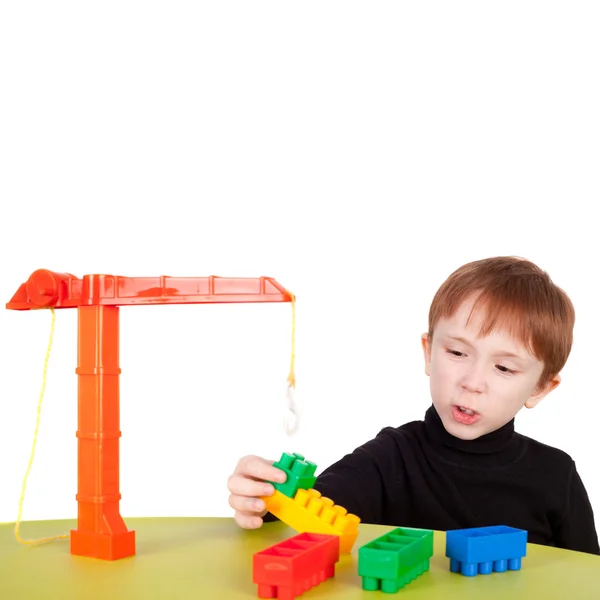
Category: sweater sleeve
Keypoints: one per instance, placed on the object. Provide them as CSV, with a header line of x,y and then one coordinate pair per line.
x,y
361,481
577,530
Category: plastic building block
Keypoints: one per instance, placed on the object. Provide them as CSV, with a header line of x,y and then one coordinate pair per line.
x,y
300,473
395,559
485,549
291,567
101,532
309,511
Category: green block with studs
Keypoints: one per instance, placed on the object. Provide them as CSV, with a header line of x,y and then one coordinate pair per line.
x,y
300,473
393,560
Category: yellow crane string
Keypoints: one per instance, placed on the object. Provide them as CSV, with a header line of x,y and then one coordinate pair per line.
x,y
292,377
290,419
35,436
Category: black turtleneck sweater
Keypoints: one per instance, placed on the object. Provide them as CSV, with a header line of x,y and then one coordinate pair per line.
x,y
418,475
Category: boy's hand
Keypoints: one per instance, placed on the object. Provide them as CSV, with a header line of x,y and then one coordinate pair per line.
x,y
247,484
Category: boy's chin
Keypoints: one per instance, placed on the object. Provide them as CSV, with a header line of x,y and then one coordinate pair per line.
x,y
464,432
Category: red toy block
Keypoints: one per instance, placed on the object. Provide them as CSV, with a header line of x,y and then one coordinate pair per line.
x,y
292,567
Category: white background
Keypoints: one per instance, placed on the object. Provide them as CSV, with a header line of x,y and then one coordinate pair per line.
x,y
356,152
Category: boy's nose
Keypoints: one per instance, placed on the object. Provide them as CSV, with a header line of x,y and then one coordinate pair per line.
x,y
473,381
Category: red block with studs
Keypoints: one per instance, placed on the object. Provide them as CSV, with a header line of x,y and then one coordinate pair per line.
x,y
290,568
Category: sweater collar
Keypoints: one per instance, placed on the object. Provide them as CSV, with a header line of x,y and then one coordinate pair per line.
x,y
490,443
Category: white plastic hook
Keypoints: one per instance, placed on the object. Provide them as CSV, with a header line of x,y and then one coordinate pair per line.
x,y
290,417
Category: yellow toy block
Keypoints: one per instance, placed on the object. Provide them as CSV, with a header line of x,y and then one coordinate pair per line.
x,y
310,512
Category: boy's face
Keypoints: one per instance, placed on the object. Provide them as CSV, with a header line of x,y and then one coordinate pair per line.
x,y
478,384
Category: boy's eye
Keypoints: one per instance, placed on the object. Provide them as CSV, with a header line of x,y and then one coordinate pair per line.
x,y
455,352
505,369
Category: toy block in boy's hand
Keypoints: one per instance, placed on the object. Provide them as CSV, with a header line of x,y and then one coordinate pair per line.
x,y
309,511
287,569
394,559
300,473
485,549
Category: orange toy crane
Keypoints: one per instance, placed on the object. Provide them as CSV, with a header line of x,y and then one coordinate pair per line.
x,y
101,531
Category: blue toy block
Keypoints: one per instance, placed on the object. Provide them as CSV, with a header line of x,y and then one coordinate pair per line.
x,y
485,549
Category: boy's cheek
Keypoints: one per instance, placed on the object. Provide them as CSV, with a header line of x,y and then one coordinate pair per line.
x,y
442,371
438,386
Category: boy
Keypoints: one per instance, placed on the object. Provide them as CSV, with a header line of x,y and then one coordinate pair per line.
x,y
500,331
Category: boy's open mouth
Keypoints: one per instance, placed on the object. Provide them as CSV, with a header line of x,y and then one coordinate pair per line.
x,y
464,415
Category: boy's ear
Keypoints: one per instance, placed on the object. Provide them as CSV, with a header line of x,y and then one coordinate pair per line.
x,y
542,391
425,343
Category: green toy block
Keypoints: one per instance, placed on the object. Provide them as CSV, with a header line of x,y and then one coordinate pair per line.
x,y
300,473
394,559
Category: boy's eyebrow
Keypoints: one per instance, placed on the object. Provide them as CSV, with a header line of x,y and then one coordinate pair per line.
x,y
502,353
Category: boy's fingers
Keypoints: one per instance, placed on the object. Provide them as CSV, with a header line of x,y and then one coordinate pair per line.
x,y
247,522
249,506
247,484
239,485
259,468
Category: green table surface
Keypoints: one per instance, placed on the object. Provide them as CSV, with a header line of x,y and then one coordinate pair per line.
x,y
211,558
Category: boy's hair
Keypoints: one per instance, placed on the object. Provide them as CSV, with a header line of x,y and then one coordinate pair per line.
x,y
518,297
